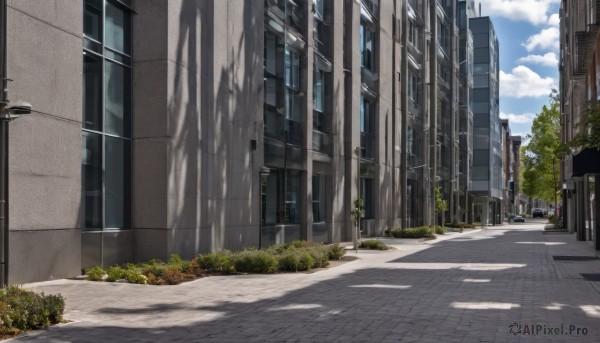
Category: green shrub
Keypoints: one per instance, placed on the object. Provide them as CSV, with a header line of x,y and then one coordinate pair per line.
x,y
440,230
336,251
176,261
24,310
95,273
320,255
374,244
255,261
416,232
294,260
134,275
115,273
217,262
154,266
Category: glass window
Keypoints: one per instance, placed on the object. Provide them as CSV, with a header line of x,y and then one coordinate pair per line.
x,y
92,92
292,69
318,197
118,28
117,103
91,172
319,91
92,23
367,194
106,157
117,171
366,115
481,157
367,48
282,197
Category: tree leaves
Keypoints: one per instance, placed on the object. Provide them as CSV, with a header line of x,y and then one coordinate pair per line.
x,y
541,157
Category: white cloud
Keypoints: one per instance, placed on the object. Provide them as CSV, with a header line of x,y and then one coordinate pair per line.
x,y
524,118
547,39
533,11
554,20
523,82
549,59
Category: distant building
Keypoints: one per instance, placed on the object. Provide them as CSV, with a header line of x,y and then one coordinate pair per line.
x,y
579,83
486,175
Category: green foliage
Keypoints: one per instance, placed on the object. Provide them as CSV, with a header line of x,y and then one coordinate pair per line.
x,y
25,310
589,128
359,210
294,260
95,273
459,225
541,157
115,273
255,261
440,230
440,204
176,261
336,251
320,255
217,262
134,275
416,232
373,244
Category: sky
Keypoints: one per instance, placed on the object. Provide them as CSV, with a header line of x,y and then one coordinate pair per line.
x,y
528,35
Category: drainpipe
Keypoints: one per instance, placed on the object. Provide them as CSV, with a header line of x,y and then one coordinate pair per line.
x,y
3,153
404,113
433,106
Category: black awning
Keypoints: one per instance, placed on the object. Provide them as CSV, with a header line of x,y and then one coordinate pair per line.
x,y
586,162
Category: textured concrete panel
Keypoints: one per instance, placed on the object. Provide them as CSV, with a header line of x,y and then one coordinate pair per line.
x,y
45,173
66,15
46,65
44,255
150,21
150,104
149,198
150,243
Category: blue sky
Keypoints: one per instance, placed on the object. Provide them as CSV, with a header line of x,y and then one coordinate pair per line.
x,y
528,34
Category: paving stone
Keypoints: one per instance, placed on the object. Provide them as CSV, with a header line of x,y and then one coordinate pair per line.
x,y
463,287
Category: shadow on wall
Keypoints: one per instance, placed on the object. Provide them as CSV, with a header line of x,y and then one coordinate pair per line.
x,y
213,197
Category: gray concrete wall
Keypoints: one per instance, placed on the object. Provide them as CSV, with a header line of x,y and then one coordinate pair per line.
x,y
196,176
44,60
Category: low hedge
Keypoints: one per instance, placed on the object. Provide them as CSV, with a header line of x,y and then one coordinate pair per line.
x,y
415,232
292,256
459,225
22,310
373,244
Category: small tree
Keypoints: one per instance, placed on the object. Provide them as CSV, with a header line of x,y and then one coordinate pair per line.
x,y
441,205
357,214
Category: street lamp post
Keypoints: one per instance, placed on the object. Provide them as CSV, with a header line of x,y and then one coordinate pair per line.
x,y
264,173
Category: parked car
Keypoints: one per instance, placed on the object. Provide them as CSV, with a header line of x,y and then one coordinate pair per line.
x,y
519,219
537,212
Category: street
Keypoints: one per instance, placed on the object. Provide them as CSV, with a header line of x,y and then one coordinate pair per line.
x,y
497,284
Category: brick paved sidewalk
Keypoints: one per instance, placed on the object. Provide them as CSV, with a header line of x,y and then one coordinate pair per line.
x,y
467,287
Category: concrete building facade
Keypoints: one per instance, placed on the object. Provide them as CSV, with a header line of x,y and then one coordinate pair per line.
x,y
163,127
579,89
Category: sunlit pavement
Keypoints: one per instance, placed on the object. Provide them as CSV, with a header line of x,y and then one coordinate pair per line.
x,y
497,284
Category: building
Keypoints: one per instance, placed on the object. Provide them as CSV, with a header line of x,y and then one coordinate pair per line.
x,y
579,70
486,172
163,127
466,10
511,150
